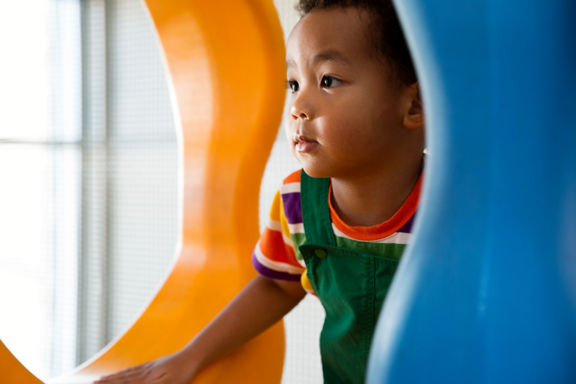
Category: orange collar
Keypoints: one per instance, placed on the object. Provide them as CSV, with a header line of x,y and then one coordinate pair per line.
x,y
382,230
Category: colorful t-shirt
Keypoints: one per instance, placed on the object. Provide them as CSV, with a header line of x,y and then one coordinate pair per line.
x,y
276,255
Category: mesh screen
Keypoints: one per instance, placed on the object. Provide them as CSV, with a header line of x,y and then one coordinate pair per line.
x,y
89,203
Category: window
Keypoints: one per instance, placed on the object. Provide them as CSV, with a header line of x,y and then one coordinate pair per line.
x,y
89,204
88,159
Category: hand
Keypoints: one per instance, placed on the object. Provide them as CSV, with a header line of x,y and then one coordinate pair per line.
x,y
259,305
171,369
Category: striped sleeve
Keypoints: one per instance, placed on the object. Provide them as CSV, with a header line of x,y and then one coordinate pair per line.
x,y
274,255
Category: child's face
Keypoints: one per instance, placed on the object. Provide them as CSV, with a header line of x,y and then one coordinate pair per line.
x,y
345,110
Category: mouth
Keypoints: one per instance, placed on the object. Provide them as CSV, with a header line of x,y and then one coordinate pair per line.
x,y
303,144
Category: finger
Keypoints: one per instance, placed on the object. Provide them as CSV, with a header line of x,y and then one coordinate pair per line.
x,y
124,376
162,379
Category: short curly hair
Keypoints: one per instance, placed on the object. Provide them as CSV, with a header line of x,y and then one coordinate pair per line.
x,y
388,34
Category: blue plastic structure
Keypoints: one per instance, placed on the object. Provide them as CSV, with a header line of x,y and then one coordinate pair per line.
x,y
487,291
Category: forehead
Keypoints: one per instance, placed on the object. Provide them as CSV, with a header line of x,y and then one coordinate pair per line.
x,y
338,31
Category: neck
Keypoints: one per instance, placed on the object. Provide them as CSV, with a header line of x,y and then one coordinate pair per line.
x,y
372,198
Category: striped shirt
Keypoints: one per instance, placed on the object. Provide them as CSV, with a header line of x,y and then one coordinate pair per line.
x,y
276,254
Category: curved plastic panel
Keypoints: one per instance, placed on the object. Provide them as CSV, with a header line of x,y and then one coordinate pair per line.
x,y
487,292
226,61
12,371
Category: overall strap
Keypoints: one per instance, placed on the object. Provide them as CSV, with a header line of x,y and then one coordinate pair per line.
x,y
316,210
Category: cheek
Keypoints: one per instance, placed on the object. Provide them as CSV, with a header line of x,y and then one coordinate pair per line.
x,y
343,133
358,136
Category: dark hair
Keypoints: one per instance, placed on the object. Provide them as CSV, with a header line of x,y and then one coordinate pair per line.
x,y
389,37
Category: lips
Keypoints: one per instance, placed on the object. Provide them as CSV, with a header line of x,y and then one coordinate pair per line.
x,y
303,144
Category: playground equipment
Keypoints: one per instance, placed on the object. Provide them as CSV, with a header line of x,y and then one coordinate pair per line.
x,y
487,292
226,61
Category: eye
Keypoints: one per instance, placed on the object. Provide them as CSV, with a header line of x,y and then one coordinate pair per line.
x,y
328,81
293,85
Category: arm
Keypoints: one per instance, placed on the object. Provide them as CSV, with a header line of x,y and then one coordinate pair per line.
x,y
258,306
262,303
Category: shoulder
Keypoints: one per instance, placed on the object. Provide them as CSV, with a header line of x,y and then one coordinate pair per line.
x,y
290,197
291,184
292,180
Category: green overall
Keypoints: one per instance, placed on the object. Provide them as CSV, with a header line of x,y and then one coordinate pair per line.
x,y
350,284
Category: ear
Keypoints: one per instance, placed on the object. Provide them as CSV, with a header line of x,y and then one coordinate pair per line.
x,y
414,115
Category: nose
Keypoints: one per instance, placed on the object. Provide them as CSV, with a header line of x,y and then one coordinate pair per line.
x,y
300,108
298,115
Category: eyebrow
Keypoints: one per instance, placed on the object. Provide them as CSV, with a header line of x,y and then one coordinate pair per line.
x,y
323,56
330,56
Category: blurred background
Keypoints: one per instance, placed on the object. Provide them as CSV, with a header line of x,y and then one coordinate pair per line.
x,y
89,209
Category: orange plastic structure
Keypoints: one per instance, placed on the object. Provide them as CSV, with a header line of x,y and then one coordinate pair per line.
x,y
226,60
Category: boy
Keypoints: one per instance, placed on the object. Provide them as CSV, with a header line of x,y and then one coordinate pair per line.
x,y
338,227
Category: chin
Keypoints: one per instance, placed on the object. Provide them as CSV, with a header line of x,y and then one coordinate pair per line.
x,y
313,171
